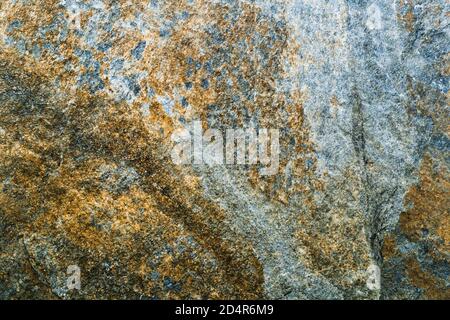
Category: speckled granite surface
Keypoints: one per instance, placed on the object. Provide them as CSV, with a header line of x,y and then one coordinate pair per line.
x,y
91,92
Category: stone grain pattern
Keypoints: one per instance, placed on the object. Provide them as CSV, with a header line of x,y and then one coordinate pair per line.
x,y
91,90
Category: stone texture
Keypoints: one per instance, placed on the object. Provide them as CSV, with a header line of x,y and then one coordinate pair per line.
x,y
90,92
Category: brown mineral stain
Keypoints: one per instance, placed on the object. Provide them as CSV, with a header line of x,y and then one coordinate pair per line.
x,y
430,203
51,160
433,287
389,247
408,18
426,224
445,69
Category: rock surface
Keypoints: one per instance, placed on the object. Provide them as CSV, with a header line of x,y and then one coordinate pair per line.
x,y
91,91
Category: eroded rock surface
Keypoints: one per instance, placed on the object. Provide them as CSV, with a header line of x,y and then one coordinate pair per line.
x,y
91,92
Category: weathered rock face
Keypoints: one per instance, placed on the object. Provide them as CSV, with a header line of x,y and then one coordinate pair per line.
x,y
91,92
